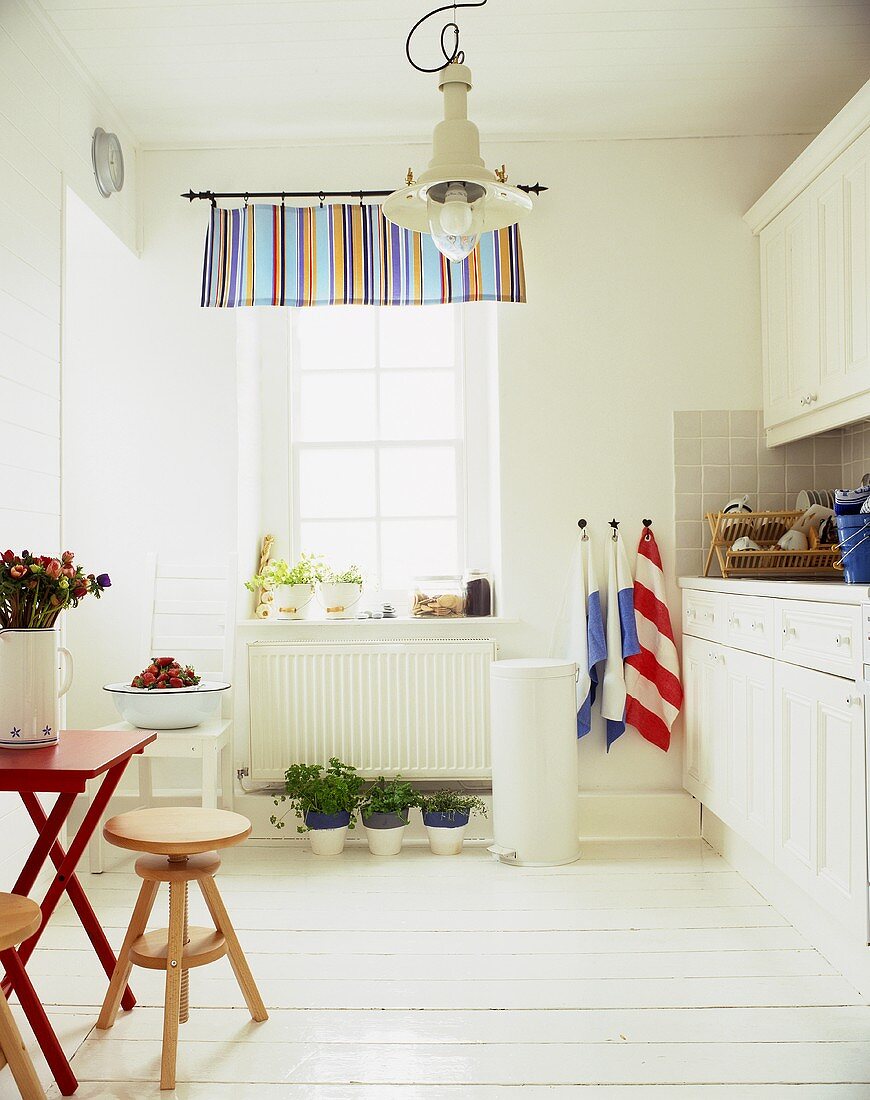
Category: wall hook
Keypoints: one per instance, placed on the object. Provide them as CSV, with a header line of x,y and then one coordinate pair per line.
x,y
647,534
247,196
581,523
321,196
614,523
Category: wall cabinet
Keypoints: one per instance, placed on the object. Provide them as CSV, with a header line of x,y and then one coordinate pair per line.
x,y
815,290
775,745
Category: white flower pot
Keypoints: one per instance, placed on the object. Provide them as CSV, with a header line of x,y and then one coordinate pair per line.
x,y
446,842
328,842
31,687
294,601
384,841
339,600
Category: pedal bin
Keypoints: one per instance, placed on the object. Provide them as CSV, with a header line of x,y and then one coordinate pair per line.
x,y
535,774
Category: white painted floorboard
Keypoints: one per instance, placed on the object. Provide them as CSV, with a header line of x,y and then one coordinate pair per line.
x,y
648,971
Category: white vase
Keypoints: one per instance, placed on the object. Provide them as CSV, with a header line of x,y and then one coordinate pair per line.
x,y
31,687
294,601
339,600
385,842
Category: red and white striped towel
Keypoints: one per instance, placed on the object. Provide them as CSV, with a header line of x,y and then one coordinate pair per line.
x,y
652,677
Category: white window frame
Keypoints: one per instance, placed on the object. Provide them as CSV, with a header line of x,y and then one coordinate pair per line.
x,y
475,421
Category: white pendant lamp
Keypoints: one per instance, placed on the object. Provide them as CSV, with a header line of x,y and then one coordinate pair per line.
x,y
457,197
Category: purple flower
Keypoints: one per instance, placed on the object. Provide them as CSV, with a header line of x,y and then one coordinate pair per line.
x,y
104,580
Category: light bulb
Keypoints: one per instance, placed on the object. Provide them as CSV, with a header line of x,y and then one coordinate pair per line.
x,y
456,215
455,223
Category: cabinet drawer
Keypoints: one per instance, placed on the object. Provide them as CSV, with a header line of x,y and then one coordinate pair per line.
x,y
749,624
820,636
704,614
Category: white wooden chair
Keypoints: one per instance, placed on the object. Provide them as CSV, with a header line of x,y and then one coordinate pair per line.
x,y
189,612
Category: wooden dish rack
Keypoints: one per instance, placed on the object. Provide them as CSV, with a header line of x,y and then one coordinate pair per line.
x,y
766,528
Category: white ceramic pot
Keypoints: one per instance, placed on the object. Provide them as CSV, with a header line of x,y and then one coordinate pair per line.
x,y
31,687
328,842
383,833
294,601
446,842
339,600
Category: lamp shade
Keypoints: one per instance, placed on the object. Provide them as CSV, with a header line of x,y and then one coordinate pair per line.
x,y
457,195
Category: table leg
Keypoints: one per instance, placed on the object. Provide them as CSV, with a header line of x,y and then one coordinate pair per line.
x,y
42,1029
66,881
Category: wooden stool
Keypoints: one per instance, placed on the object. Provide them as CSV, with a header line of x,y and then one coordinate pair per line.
x,y
179,843
19,919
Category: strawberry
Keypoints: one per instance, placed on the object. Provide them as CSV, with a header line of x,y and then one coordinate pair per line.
x,y
176,682
149,679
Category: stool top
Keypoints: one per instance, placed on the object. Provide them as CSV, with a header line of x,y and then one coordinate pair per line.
x,y
19,919
176,830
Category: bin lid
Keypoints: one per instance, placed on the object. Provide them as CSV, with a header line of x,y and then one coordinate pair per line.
x,y
532,668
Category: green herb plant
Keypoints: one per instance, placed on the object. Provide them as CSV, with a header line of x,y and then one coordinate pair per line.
x,y
308,570
332,790
351,575
393,796
451,803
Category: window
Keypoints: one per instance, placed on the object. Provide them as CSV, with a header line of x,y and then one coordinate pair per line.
x,y
379,440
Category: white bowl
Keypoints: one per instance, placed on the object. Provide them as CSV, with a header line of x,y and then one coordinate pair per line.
x,y
167,708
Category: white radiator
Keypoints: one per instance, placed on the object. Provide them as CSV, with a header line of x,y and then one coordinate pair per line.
x,y
416,707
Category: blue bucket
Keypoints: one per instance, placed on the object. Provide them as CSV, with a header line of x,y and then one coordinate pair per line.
x,y
854,533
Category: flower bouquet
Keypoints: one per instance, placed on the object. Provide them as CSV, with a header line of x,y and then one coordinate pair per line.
x,y
35,589
33,592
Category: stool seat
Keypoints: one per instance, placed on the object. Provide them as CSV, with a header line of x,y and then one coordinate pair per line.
x,y
203,946
20,917
176,830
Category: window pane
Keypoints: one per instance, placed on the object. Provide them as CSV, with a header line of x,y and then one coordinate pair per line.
x,y
418,337
418,405
343,544
337,407
336,483
414,546
418,481
335,338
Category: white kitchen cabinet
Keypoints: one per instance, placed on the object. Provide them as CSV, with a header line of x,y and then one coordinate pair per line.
x,y
745,801
814,229
819,790
703,680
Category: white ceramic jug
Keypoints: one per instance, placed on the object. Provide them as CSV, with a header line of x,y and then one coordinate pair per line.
x,y
31,687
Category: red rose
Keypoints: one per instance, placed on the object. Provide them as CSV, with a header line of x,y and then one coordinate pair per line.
x,y
8,556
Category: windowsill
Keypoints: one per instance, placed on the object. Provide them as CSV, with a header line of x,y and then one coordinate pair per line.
x,y
403,620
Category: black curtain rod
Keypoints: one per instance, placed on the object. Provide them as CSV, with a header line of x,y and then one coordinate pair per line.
x,y
213,196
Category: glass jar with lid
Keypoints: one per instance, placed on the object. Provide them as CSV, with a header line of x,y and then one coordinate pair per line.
x,y
438,597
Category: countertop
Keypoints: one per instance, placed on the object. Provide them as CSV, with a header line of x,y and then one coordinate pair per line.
x,y
821,591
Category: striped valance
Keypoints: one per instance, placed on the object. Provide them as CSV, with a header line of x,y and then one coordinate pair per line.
x,y
348,254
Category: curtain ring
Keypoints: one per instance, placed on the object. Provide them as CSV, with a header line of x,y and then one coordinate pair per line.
x,y
321,196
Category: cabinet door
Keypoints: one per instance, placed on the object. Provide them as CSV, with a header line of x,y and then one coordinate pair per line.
x,y
746,799
790,313
856,292
703,718
819,791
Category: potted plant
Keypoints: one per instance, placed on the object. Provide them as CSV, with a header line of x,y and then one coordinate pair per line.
x,y
290,586
326,799
385,814
445,815
34,590
340,591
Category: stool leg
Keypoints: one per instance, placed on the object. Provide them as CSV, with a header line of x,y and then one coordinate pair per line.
x,y
19,1061
184,1007
239,963
174,971
121,973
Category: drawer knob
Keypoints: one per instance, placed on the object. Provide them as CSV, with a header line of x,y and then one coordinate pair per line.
x,y
690,613
853,700
841,640
788,632
756,626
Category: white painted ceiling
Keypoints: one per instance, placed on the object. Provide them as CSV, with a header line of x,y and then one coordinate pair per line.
x,y
205,71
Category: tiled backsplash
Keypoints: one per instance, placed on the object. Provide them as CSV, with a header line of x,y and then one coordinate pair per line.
x,y
856,453
722,454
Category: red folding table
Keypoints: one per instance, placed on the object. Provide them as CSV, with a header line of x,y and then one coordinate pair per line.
x,y
63,770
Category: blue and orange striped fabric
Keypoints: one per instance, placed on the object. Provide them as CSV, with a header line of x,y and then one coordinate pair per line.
x,y
347,254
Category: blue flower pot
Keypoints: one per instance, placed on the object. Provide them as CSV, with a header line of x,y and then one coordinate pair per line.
x,y
315,820
385,821
436,820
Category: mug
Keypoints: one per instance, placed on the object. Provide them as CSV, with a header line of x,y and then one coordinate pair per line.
x,y
738,504
793,540
745,543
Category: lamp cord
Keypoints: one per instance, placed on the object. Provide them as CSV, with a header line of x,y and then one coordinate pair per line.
x,y
456,54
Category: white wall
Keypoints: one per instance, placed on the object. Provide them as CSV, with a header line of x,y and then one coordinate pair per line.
x,y
47,115
643,297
